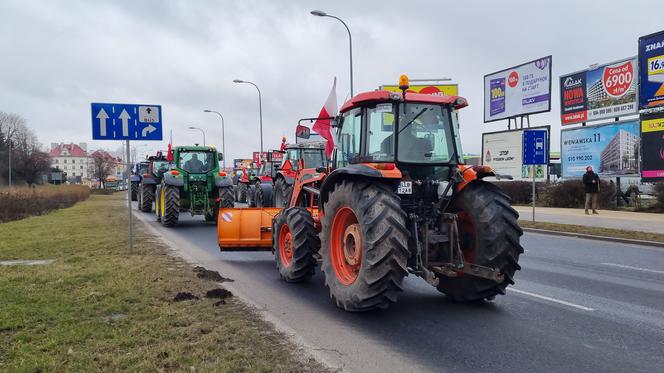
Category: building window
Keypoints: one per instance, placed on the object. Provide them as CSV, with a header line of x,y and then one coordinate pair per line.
x,y
81,167
57,161
73,161
65,161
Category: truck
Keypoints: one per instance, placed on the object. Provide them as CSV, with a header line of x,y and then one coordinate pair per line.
x,y
397,200
193,184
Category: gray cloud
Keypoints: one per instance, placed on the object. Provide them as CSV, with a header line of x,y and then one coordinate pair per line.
x,y
58,56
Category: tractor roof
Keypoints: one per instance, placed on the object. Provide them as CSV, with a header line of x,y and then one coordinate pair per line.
x,y
385,96
182,148
307,145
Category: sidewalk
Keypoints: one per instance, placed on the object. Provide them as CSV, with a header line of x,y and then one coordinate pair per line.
x,y
631,221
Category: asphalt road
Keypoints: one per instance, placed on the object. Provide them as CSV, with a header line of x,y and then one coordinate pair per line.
x,y
577,306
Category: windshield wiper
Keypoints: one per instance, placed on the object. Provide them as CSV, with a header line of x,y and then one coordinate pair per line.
x,y
412,120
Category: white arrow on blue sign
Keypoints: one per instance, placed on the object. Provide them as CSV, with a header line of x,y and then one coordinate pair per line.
x,y
126,122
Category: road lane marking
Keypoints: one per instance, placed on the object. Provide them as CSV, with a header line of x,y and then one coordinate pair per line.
x,y
634,268
554,300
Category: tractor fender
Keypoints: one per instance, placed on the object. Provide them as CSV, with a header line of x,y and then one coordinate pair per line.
x,y
149,181
170,179
289,179
359,171
221,182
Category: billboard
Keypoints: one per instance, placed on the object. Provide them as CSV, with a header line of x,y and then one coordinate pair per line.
x,y
503,151
652,147
651,67
241,163
520,90
606,91
431,89
611,149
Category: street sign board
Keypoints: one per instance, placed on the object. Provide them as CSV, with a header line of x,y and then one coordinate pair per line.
x,y
126,122
535,147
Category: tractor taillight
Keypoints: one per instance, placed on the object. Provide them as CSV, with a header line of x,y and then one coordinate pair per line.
x,y
222,173
385,166
146,175
175,172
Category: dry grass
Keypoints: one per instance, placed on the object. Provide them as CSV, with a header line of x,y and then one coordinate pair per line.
x,y
97,308
21,202
594,231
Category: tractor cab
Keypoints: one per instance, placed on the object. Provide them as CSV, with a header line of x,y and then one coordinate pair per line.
x,y
309,155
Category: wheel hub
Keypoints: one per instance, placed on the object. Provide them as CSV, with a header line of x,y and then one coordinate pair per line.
x,y
352,244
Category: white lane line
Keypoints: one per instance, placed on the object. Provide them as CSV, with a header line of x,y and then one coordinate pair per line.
x,y
634,268
554,300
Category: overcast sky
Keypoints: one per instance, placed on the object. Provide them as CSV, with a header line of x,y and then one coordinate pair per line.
x,y
59,56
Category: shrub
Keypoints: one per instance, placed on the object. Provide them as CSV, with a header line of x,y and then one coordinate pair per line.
x,y
520,192
21,202
571,194
659,195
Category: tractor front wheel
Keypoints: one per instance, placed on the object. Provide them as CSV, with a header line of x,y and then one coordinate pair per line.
x,y
134,191
295,242
489,236
170,205
225,200
364,245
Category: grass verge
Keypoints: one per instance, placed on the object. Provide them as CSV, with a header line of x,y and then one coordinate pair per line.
x,y
595,231
98,308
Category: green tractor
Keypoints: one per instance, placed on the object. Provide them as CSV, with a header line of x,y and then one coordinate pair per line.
x,y
193,184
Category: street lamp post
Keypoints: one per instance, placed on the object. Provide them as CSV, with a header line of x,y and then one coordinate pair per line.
x,y
10,163
260,108
200,129
223,135
320,13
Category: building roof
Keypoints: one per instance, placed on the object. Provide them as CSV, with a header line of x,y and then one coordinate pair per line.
x,y
67,150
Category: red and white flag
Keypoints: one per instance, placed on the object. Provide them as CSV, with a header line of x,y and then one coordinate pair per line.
x,y
323,124
169,153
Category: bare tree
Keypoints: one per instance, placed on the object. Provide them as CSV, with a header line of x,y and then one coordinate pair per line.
x,y
102,166
28,161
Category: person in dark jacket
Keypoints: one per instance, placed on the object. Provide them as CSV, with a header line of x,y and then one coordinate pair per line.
x,y
591,185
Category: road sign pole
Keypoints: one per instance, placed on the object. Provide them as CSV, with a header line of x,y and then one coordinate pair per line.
x,y
533,169
128,172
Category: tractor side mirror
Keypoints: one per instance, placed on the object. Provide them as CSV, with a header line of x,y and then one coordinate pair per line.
x,y
220,156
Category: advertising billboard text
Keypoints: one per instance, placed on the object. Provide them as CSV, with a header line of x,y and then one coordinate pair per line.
x,y
611,149
651,67
652,147
606,91
520,90
503,151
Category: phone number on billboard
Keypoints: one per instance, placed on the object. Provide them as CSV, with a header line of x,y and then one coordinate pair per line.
x,y
580,158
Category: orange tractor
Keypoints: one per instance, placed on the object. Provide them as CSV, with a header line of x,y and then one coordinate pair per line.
x,y
397,200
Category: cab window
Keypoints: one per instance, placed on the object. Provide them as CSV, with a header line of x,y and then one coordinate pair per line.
x,y
348,139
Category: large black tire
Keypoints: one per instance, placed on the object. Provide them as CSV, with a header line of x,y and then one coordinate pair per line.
x,y
226,200
251,195
489,235
134,191
226,197
242,190
282,193
146,198
171,209
259,197
157,202
294,241
370,213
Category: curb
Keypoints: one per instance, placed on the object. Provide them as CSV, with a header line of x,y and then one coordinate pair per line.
x,y
593,237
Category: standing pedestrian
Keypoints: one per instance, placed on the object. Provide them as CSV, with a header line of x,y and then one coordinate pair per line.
x,y
591,185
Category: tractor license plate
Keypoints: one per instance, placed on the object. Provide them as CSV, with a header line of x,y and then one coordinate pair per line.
x,y
405,187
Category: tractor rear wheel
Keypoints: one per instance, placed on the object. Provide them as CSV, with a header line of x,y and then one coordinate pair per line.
x,y
489,236
146,198
282,193
225,200
251,195
295,242
242,189
364,245
170,205
134,191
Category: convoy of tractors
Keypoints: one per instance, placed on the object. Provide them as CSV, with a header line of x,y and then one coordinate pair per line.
x,y
393,199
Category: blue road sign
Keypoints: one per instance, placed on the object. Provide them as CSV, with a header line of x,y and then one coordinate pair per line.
x,y
126,122
535,147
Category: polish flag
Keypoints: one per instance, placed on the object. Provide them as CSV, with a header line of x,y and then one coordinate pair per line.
x,y
169,153
323,124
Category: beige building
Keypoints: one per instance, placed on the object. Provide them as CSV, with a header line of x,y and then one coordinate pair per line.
x,y
73,159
